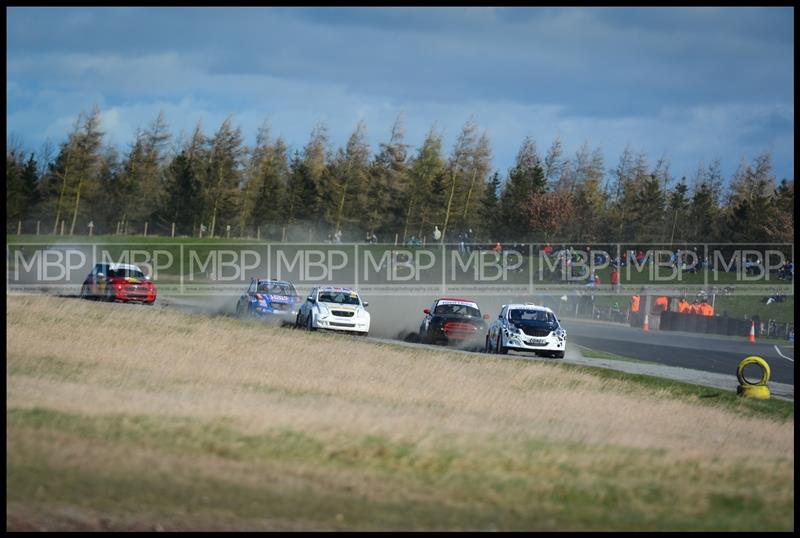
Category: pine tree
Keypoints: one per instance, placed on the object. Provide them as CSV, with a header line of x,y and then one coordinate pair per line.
x,y
750,212
317,189
525,179
590,213
489,212
703,213
267,177
15,197
30,185
553,162
462,172
648,211
183,193
388,183
678,211
425,194
224,165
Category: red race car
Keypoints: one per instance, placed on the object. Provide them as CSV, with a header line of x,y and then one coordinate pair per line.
x,y
118,282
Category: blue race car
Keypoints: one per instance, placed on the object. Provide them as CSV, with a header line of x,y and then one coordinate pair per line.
x,y
269,299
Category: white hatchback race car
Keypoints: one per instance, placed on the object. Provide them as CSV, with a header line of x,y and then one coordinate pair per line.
x,y
527,327
337,309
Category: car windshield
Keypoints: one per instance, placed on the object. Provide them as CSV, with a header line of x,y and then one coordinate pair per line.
x,y
123,273
519,315
338,297
276,288
457,309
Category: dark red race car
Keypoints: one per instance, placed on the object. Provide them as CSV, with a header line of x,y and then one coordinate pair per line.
x,y
453,321
118,282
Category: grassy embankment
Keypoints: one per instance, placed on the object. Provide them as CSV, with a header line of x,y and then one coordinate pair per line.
x,y
131,417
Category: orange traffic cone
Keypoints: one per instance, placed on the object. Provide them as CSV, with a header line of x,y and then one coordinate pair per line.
x,y
646,326
752,337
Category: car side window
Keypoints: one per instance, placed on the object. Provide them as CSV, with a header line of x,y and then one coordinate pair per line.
x,y
252,288
502,313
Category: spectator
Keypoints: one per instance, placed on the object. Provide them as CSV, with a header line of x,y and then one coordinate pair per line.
x,y
683,306
662,303
616,313
498,248
786,272
548,249
437,233
705,309
337,237
635,300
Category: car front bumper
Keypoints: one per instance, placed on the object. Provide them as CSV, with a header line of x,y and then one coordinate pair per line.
x,y
271,313
134,295
535,343
342,324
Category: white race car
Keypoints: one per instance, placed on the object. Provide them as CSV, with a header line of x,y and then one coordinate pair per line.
x,y
338,309
527,327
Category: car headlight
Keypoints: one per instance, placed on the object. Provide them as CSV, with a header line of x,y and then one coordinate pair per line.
x,y
561,333
323,311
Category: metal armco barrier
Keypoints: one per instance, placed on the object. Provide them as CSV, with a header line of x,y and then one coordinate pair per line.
x,y
747,389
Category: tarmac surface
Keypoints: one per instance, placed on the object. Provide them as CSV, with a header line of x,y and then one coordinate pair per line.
x,y
709,353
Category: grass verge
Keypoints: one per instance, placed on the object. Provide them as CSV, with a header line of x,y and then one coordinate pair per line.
x,y
147,418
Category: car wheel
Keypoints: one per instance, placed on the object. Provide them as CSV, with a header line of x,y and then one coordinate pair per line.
x,y
558,354
297,321
84,292
109,294
499,348
487,348
310,322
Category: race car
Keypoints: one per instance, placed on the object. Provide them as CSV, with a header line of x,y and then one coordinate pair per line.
x,y
526,327
118,282
451,320
336,309
269,299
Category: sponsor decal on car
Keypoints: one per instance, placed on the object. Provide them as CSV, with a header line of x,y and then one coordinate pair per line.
x,y
451,301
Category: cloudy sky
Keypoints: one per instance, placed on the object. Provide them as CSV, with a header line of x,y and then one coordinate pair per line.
x,y
687,84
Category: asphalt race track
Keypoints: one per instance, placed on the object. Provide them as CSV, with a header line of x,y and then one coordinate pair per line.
x,y
687,350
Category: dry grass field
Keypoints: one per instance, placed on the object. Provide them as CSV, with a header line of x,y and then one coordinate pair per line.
x,y
132,417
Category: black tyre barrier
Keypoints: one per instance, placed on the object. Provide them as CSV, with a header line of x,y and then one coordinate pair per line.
x,y
676,321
